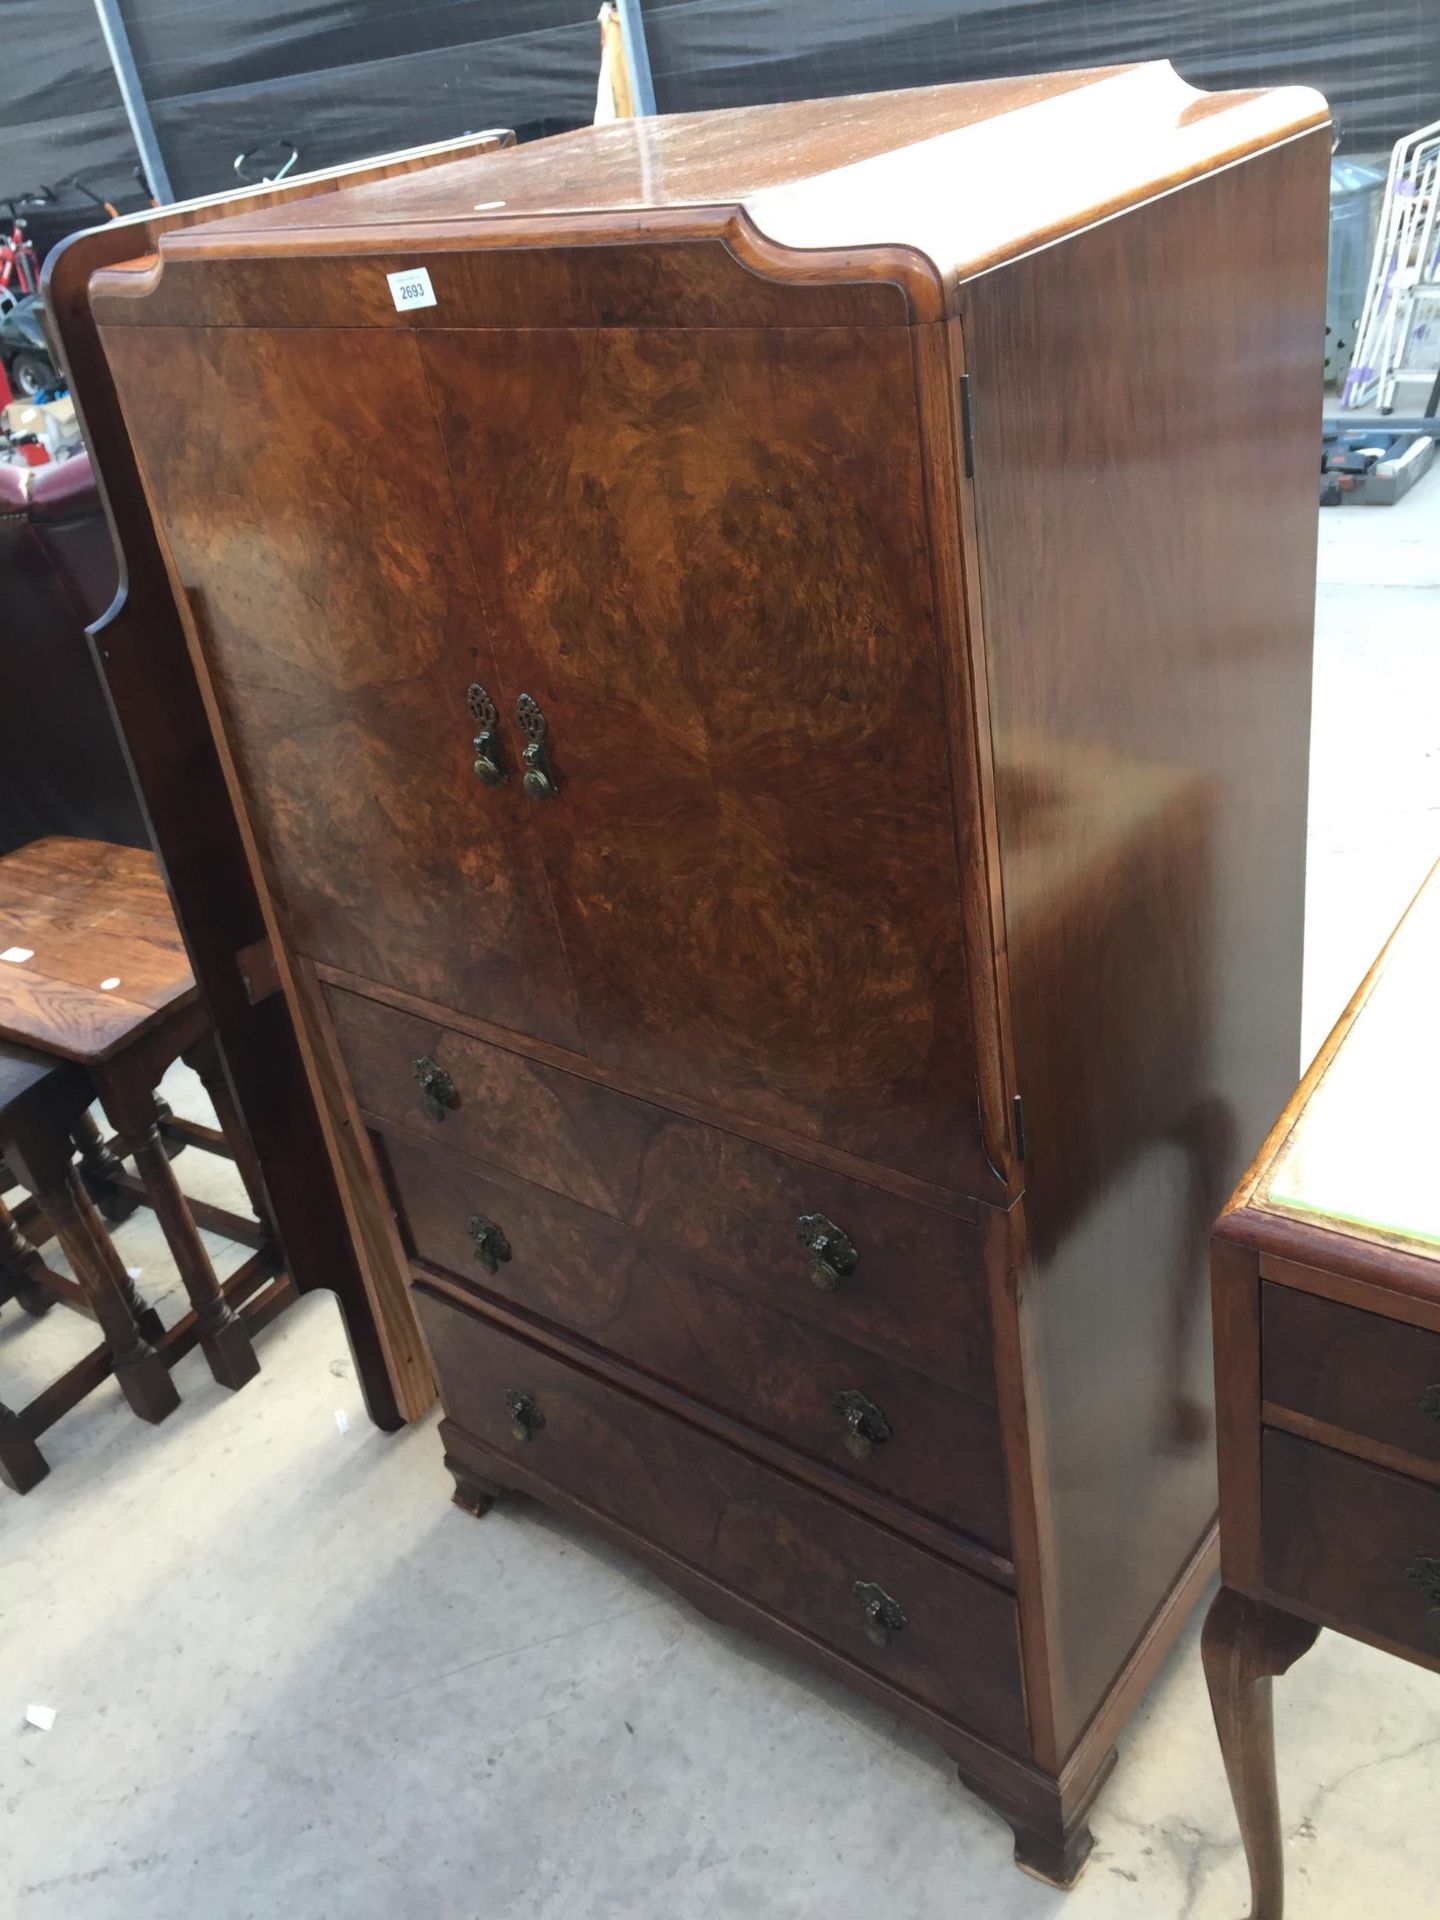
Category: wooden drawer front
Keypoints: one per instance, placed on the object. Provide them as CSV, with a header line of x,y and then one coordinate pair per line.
x,y
759,1533
1358,1371
592,1277
1350,1540
919,1285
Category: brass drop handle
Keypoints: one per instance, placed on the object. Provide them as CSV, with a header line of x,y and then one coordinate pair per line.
x,y
526,1419
1430,1402
491,1246
865,1425
489,766
436,1086
833,1256
539,781
1425,1572
884,1617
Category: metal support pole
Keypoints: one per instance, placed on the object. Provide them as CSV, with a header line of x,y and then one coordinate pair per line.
x,y
132,95
637,56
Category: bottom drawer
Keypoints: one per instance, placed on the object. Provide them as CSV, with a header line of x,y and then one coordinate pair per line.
x,y
1356,1543
942,1635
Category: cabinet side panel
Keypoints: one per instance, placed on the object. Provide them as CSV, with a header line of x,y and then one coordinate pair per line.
x,y
1146,399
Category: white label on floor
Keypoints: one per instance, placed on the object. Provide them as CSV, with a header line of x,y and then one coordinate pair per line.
x,y
41,1717
18,955
411,288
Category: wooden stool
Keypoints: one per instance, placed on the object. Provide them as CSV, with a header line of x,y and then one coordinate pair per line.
x,y
40,1101
20,1262
93,970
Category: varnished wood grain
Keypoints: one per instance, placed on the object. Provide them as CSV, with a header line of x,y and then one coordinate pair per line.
x,y
1245,1646
375,1234
608,1285
752,852
1137,601
89,913
1340,1536
1373,1376
1324,1433
1397,1284
159,703
919,1288
1014,1786
794,1551
869,1173
704,279
1330,1483
839,934
1235,1321
353,608
919,187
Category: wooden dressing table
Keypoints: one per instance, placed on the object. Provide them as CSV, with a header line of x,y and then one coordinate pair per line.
x,y
1326,1281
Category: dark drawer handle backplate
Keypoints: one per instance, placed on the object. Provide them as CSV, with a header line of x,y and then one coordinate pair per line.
x,y
539,781
865,1425
1424,1570
436,1085
526,1419
1430,1402
833,1256
884,1617
489,766
491,1246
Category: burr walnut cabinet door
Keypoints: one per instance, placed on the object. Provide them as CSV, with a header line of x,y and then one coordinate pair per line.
x,y
703,553
302,487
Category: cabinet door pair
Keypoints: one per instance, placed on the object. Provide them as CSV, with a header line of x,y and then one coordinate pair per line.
x,y
701,556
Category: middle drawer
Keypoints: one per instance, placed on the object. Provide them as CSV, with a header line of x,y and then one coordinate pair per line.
x,y
895,1276
860,1413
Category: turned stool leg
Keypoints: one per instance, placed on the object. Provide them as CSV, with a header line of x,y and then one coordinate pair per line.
x,y
1244,1646
22,1465
18,1262
223,1339
143,1376
100,1170
204,1058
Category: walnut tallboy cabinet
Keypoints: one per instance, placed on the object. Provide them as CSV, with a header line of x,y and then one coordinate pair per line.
x,y
765,660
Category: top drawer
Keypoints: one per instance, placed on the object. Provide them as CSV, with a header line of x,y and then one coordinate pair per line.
x,y
910,1280
1361,1372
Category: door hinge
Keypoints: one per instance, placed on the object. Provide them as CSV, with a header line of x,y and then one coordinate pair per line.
x,y
967,426
1019,1128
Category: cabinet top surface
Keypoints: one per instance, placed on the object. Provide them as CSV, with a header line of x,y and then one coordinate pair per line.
x,y
1031,157
1356,1150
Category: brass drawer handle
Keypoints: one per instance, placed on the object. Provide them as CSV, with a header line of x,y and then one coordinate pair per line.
x,y
1430,1402
489,766
539,782
865,1425
884,1617
526,1419
491,1246
1425,1572
833,1257
436,1085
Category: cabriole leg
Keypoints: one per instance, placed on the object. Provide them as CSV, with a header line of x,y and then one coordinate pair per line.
x,y
1245,1645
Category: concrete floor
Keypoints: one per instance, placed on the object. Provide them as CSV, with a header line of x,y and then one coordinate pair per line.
x,y
291,1679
